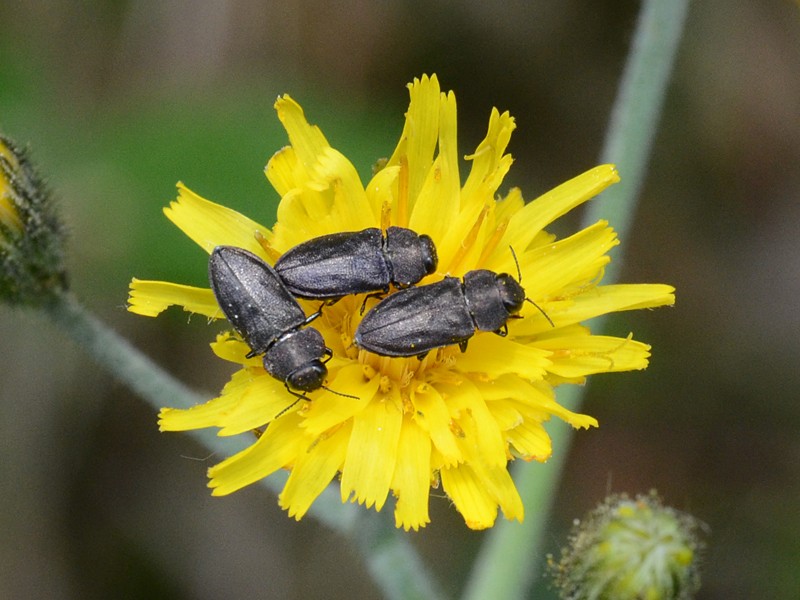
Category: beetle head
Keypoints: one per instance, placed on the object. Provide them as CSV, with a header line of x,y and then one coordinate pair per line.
x,y
430,259
511,292
308,377
492,298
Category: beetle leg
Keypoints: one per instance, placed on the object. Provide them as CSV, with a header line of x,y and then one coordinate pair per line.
x,y
463,345
327,355
313,316
503,331
367,297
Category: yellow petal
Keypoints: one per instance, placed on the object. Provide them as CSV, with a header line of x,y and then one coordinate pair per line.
x,y
526,223
210,225
489,164
411,479
505,414
262,401
328,198
531,441
275,449
500,487
233,349
510,205
329,409
372,452
597,301
438,202
281,170
635,296
352,211
313,471
382,190
420,134
581,355
469,496
307,140
432,415
569,264
494,355
481,439
460,248
150,298
303,213
210,413
535,401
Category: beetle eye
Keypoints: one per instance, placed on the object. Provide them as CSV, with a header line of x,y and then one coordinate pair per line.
x,y
511,293
308,377
430,260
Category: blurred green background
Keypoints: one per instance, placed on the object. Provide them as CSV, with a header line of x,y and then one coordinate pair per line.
x,y
120,100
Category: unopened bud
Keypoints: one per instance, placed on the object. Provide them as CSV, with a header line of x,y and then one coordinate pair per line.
x,y
630,550
31,236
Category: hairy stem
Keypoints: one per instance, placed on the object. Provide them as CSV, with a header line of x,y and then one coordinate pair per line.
x,y
393,562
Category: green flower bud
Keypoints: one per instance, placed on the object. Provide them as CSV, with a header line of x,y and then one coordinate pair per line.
x,y
630,550
31,236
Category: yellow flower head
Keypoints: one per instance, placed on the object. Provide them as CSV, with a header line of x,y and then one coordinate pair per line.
x,y
452,419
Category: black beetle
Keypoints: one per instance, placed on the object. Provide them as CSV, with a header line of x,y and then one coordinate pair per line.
x,y
357,262
267,316
414,321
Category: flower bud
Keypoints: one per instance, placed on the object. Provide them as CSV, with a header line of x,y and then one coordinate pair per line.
x,y
630,550
31,236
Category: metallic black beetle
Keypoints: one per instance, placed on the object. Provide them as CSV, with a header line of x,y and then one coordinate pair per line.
x,y
335,265
414,321
267,316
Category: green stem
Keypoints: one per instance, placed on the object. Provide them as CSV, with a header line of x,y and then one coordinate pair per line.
x,y
393,562
510,558
113,352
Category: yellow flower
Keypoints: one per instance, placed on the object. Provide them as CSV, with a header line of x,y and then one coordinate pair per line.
x,y
453,419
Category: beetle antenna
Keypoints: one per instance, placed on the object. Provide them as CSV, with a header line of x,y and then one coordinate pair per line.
x,y
342,394
519,278
298,397
541,310
516,262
